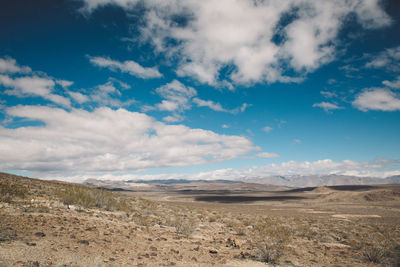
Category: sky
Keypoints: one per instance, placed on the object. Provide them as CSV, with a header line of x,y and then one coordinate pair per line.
x,y
229,89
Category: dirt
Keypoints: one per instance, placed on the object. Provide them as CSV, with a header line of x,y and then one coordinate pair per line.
x,y
173,229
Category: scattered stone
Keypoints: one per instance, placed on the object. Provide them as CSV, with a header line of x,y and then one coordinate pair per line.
x,y
213,251
40,234
83,242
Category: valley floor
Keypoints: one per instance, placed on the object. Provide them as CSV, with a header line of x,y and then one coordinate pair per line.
x,y
58,224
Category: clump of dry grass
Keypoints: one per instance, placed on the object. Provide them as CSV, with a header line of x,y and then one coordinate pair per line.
x,y
377,247
183,226
8,192
272,239
92,198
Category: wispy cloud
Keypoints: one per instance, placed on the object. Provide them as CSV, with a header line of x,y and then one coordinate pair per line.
x,y
267,129
388,59
393,84
327,106
33,86
9,65
127,66
218,107
267,155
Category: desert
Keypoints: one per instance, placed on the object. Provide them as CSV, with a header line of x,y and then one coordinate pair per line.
x,y
50,223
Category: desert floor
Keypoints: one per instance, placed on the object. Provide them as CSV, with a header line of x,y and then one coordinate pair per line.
x,y
46,223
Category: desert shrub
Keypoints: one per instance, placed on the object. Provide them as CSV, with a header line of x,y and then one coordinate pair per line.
x,y
92,198
183,226
8,192
271,239
377,247
212,219
239,229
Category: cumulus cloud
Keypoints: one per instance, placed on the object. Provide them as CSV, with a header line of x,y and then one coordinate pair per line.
x,y
33,87
10,66
327,106
127,66
377,99
388,59
256,41
177,96
106,140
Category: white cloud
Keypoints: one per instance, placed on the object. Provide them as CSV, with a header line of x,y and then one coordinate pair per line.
x,y
64,84
218,107
127,66
174,118
250,38
377,168
377,99
393,84
210,104
326,106
267,155
225,126
388,59
10,66
106,140
33,87
267,129
78,97
328,94
178,98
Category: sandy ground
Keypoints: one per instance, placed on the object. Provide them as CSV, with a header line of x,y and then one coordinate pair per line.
x,y
325,227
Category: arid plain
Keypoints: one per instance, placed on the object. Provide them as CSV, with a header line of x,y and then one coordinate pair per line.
x,y
47,223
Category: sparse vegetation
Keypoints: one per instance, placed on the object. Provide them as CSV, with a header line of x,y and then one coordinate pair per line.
x,y
72,219
272,239
84,197
183,226
8,192
377,247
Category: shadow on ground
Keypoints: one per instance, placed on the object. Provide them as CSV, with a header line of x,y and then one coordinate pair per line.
x,y
248,199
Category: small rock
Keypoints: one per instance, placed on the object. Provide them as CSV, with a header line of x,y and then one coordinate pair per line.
x,y
83,242
40,234
213,251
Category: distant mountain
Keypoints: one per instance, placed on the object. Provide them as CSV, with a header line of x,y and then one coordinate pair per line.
x,y
321,180
181,181
286,181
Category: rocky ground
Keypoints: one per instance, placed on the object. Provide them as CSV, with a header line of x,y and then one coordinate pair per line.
x,y
45,223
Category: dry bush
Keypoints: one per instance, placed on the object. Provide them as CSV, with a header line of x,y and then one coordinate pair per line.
x,y
92,198
239,229
272,239
183,226
8,192
377,247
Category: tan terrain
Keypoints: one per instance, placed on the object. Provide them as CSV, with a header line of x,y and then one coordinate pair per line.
x,y
47,223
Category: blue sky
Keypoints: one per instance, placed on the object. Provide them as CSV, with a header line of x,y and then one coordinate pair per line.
x,y
122,89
